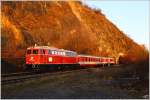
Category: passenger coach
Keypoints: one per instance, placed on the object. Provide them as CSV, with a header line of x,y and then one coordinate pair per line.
x,y
87,60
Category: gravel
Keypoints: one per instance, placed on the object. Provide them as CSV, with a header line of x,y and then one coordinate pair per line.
x,y
93,83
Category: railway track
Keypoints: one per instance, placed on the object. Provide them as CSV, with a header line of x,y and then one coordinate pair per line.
x,y
13,78
15,74
21,77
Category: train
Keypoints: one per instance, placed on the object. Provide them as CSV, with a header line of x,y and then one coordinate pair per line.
x,y
51,57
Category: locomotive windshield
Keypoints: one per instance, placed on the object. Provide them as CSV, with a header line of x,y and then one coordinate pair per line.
x,y
32,51
35,51
28,51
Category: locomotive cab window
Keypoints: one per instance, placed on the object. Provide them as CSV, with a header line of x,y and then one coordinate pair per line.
x,y
35,51
28,51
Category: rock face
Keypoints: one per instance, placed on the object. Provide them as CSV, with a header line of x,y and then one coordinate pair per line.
x,y
67,25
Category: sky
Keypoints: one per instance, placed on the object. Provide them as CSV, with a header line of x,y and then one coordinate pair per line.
x,y
131,17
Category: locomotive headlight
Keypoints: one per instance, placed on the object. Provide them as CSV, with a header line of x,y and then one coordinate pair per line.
x,y
50,59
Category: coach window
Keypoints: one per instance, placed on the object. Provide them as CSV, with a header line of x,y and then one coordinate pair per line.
x,y
52,52
70,54
86,59
67,54
96,59
35,51
81,59
63,53
57,52
49,51
73,54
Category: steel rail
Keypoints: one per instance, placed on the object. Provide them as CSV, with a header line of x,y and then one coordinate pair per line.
x,y
20,77
15,74
16,79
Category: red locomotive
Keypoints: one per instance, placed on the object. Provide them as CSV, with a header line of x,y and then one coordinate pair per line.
x,y
40,56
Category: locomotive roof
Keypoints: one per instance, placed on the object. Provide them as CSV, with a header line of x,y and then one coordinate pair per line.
x,y
42,47
51,48
67,50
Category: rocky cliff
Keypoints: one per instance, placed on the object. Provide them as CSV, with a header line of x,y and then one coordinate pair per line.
x,y
62,24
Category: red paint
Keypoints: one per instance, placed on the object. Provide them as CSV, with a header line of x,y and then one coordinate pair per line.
x,y
49,55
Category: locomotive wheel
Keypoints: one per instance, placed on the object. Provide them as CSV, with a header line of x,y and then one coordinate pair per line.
x,y
33,66
59,67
